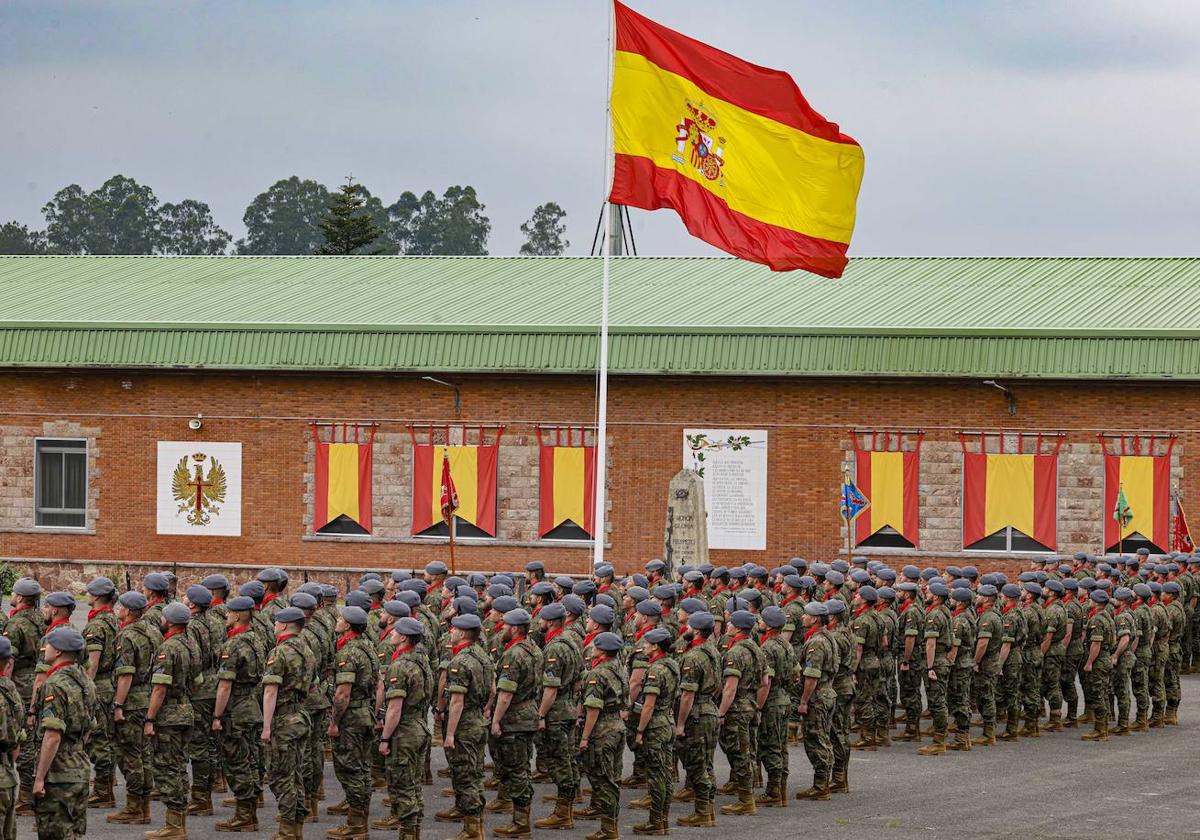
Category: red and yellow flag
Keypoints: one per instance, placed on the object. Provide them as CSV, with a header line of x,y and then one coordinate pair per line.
x,y
567,487
1017,491
1147,483
342,482
733,148
890,481
474,471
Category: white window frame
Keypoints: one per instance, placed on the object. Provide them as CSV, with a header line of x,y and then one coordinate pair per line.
x,y
38,447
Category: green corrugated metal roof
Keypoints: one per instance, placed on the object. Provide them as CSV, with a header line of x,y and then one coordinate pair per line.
x,y
890,316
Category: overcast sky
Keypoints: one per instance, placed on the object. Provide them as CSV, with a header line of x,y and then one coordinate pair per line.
x,y
988,127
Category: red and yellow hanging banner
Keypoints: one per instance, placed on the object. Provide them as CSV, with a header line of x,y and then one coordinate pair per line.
x,y
733,148
889,478
1146,479
343,476
472,469
567,483
1011,490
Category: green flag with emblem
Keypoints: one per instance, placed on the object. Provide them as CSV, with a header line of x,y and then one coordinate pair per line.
x,y
1122,512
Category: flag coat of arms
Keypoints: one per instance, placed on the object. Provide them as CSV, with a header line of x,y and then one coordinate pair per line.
x,y
853,501
733,148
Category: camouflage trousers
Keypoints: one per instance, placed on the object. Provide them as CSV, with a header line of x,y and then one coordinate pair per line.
x,y
170,765
202,744
601,763
1120,688
352,750
870,685
101,746
1140,680
887,700
513,751
466,765
818,722
839,736
404,767
658,752
738,747
1008,694
8,816
286,755
313,767
910,694
559,748
1052,682
1158,684
133,753
639,766
1070,669
1194,624
61,814
238,747
958,698
1171,679
1099,689
1031,685
936,693
983,684
772,740
695,750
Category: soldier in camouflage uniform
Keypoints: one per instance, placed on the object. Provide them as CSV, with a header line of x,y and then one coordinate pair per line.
x,y
514,718
655,729
1008,699
206,636
100,633
1140,678
885,706
1102,640
237,715
288,679
274,583
12,733
867,639
137,645
562,670
962,664
989,637
1124,656
605,697
408,688
352,721
1171,595
776,709
696,724
1031,664
468,683
935,662
1162,652
322,647
155,586
911,628
742,673
1076,609
819,663
647,615
60,786
1055,641
25,628
169,717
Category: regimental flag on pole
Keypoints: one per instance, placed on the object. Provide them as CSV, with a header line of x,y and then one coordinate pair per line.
x,y
890,479
733,148
853,501
342,478
1016,491
567,487
449,494
473,486
1183,536
1141,486
1122,512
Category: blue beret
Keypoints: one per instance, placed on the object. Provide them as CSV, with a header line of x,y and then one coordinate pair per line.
x,y
477,579
743,619
504,579
371,587
840,566
859,560
1104,584
5,648
960,583
564,582
176,613
692,605
1010,590
792,580
542,587
868,594
1087,583
314,589
66,639
1142,591
1055,586
101,587
532,566
303,601
465,591
1155,587
817,607
397,609
752,596
415,585
987,591
1123,593
701,620
1025,577
798,563
664,591
1080,556
60,599
517,618
906,586
269,575
1033,588
409,598
953,572
1099,596
1064,570
835,606
911,572
835,577
602,614
329,591
357,598
573,604
584,588
498,590
939,589
156,582
705,568
649,608
289,615
609,642
637,593
887,593
354,615
656,566
552,612
1070,584
970,572
1145,552
658,635
603,570
28,587
505,603
252,589
239,603
199,595
860,576
410,627
400,575
640,580
453,582
737,574
465,622
774,617
1172,587
436,567
132,600
465,606
963,595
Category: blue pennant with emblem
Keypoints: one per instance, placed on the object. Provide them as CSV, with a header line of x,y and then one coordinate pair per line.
x,y
853,501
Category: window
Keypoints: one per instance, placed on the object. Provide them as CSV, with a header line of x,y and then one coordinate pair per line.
x,y
60,483
1008,539
1132,543
886,537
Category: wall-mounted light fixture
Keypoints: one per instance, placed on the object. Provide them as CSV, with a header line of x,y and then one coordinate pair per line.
x,y
1012,401
457,392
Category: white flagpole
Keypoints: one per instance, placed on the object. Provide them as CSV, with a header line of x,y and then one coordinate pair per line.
x,y
602,395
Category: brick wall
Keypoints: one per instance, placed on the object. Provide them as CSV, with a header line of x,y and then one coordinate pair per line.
x,y
124,414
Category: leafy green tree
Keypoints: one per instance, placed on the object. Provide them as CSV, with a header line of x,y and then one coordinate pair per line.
x,y
69,220
451,225
286,219
545,233
16,238
188,228
121,217
348,227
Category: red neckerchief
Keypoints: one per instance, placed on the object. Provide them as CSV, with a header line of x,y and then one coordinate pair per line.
x,y
981,609
1119,608
514,641
1007,608
881,606
638,635
268,598
629,614
458,648
1067,598
217,602
283,638
127,622
770,634
604,657
57,667
590,637
341,643
655,658
788,600
174,631
21,608
665,610
237,630
694,592
550,634
1094,610
734,639
93,613
959,609
433,587
536,610
930,608
1153,600
861,610
59,622
811,631
152,602
719,589
400,651
828,594
696,642
600,590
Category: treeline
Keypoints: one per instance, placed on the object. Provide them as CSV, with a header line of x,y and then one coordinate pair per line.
x,y
292,217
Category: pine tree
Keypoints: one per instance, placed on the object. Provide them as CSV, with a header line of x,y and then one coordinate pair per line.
x,y
545,233
349,227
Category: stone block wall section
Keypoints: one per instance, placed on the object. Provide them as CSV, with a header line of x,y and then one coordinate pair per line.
x,y
17,444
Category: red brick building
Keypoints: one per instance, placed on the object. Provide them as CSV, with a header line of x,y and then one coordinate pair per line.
x,y
103,358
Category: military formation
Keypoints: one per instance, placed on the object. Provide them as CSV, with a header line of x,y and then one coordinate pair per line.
x,y
223,689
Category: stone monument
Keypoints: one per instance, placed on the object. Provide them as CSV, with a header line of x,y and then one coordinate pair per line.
x,y
685,541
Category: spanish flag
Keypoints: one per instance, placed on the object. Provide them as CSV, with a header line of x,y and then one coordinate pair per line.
x,y
474,471
1146,480
342,482
567,489
733,148
890,480
1017,491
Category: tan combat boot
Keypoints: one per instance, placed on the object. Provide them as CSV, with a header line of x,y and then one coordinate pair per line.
x,y
684,794
1055,723
1141,723
744,807
912,732
839,782
866,740
1172,716
702,818
772,797
200,804
175,829
640,802
962,742
102,794
131,814
608,830
519,827
314,809
338,810
245,818
355,827
883,736
562,817
589,812
391,821
937,747
500,805
987,739
472,829
656,826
